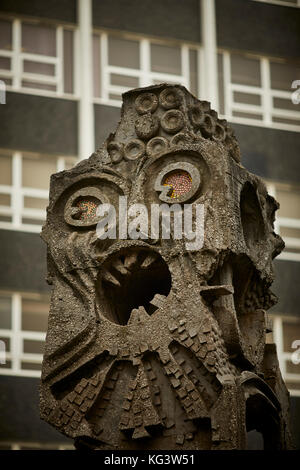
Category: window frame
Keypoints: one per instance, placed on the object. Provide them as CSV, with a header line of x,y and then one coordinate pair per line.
x,y
144,74
17,57
17,193
284,356
288,222
265,91
17,336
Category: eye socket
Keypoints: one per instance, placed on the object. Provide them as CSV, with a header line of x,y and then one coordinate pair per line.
x,y
81,207
178,182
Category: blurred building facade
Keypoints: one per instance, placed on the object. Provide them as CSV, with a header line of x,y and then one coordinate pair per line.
x,y
65,65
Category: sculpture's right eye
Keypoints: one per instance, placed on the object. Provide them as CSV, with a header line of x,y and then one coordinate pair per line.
x,y
81,207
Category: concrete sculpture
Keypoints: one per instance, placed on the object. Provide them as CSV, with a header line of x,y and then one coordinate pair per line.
x,y
151,345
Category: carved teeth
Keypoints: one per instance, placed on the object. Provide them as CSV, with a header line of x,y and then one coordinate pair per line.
x,y
148,260
130,260
107,276
119,266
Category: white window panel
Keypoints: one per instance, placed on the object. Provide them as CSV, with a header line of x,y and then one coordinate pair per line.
x,y
286,330
124,62
287,223
23,327
257,90
24,188
37,58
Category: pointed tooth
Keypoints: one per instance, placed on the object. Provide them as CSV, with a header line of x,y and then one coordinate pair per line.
x,y
107,276
119,266
148,260
130,260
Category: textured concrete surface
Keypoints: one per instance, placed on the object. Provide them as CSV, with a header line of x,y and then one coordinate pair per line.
x,y
149,345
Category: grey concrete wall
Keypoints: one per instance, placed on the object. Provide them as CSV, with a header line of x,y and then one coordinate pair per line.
x,y
258,27
38,124
23,262
270,153
19,411
64,10
165,18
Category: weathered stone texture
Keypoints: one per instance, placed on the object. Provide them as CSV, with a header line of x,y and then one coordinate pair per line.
x,y
150,345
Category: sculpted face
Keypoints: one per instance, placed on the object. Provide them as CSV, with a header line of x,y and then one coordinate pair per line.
x,y
153,342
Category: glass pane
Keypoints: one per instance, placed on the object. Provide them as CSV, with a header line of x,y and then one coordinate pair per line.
x,y
289,200
34,315
5,63
244,70
291,332
37,171
96,66
283,74
124,81
4,200
31,221
38,86
5,170
7,365
68,61
221,84
166,59
247,98
6,342
290,232
38,67
245,115
33,347
193,71
292,368
290,122
35,203
39,39
123,52
282,103
5,313
5,218
115,96
5,34
30,366
7,81
293,385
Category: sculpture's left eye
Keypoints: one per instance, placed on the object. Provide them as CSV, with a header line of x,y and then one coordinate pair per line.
x,y
178,182
81,207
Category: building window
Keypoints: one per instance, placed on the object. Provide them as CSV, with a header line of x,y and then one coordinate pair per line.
x,y
23,325
257,90
24,188
125,62
287,222
286,332
37,57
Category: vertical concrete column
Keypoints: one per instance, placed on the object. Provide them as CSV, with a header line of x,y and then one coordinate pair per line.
x,y
86,131
209,42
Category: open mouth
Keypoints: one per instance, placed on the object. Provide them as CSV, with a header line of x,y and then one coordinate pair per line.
x,y
129,279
